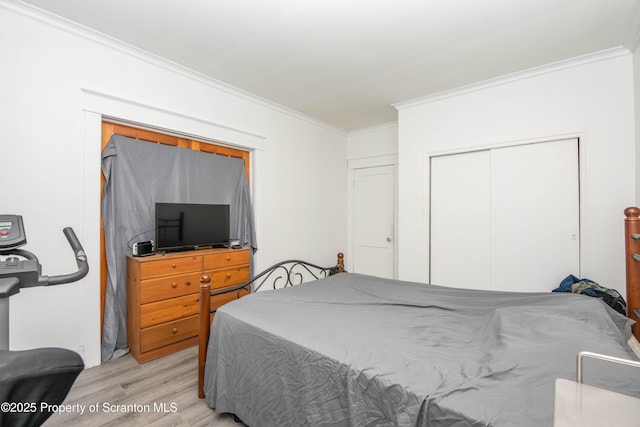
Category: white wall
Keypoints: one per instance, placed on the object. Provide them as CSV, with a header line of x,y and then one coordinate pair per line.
x,y
56,80
591,98
636,80
376,141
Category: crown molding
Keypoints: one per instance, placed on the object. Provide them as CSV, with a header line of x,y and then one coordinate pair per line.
x,y
58,22
520,75
374,128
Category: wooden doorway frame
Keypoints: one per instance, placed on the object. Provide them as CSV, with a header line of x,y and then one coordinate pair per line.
x,y
108,130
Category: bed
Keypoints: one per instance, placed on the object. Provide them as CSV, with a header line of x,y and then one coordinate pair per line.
x,y
350,349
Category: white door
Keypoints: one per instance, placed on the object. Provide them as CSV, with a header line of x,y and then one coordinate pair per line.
x,y
460,220
373,221
535,215
506,218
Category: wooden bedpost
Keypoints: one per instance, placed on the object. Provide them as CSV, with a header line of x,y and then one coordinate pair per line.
x,y
632,263
204,309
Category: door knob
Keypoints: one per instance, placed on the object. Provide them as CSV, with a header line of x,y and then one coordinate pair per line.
x,y
388,239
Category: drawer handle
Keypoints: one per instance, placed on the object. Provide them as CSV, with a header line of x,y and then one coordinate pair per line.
x,y
174,330
173,266
188,283
228,258
228,275
174,285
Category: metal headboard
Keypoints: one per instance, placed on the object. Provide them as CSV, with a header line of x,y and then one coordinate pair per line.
x,y
284,274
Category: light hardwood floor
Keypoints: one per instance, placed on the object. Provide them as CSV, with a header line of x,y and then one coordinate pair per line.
x,y
162,392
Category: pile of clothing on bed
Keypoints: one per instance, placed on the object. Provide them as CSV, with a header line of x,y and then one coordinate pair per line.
x,y
588,287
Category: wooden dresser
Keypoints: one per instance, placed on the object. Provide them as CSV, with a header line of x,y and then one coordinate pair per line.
x,y
162,296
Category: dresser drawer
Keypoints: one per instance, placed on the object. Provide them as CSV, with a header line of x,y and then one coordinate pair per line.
x,y
163,296
165,267
168,333
219,300
169,287
229,276
226,259
167,310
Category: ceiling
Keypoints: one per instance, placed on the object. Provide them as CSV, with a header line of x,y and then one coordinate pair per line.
x,y
345,62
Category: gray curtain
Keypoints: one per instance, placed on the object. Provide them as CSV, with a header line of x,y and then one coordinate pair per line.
x,y
138,174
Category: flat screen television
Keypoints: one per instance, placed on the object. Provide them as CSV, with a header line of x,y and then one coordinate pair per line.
x,y
186,226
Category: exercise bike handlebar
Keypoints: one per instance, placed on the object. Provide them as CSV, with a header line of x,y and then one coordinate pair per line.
x,y
81,260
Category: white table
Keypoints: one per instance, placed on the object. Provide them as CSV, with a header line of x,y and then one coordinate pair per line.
x,y
582,405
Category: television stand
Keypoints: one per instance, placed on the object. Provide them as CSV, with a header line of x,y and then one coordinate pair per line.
x,y
163,293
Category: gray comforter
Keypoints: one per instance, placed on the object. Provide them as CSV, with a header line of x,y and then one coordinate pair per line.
x,y
358,350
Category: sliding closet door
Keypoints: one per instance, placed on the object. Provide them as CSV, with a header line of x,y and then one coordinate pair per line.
x,y
460,220
535,215
530,209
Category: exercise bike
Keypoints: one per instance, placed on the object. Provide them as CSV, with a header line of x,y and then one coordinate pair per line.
x,y
32,382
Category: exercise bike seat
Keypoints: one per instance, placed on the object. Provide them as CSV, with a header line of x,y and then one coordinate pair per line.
x,y
30,380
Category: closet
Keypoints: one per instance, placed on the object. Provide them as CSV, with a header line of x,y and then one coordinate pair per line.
x,y
111,128
505,218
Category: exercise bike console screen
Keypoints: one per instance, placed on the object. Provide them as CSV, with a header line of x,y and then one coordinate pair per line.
x,y
11,232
